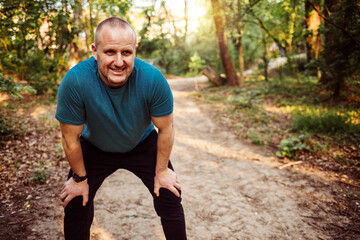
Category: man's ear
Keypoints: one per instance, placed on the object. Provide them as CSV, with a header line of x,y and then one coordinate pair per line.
x,y
93,48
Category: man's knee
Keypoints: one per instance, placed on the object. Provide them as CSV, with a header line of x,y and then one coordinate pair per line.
x,y
75,206
167,204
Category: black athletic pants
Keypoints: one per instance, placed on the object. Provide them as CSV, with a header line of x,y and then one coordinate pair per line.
x,y
140,161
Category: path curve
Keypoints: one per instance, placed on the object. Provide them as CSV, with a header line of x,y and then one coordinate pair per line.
x,y
231,190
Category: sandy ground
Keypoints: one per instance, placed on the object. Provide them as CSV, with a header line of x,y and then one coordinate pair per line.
x,y
231,190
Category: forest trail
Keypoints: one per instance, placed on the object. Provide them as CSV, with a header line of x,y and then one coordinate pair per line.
x,y
231,190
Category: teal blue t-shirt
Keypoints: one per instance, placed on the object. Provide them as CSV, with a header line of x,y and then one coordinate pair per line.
x,y
116,120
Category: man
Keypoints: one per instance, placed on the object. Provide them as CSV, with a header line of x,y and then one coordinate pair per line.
x,y
107,108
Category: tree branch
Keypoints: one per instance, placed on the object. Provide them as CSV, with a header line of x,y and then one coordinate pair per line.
x,y
262,25
248,8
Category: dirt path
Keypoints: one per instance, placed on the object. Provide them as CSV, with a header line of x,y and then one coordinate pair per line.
x,y
231,190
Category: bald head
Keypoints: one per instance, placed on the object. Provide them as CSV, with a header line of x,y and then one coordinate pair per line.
x,y
113,22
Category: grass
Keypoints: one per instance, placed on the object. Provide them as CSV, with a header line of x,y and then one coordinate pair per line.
x,y
327,122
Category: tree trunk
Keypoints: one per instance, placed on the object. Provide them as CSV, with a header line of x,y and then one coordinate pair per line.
x,y
87,29
241,61
186,16
74,51
240,46
289,38
213,76
74,55
313,39
224,53
331,72
265,59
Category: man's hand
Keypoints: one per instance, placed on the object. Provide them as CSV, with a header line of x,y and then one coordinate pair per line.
x,y
73,189
167,179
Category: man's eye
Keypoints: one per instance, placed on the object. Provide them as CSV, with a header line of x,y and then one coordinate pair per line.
x,y
127,52
110,52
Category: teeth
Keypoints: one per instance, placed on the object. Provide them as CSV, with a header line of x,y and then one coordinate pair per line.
x,y
118,69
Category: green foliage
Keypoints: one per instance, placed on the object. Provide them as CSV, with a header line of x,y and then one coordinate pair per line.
x,y
166,50
6,128
27,206
40,173
10,87
36,36
210,97
289,147
325,121
26,50
113,7
7,125
245,98
295,89
196,63
10,128
43,73
254,136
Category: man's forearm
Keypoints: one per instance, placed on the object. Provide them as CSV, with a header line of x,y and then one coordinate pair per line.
x,y
72,147
165,177
74,156
164,146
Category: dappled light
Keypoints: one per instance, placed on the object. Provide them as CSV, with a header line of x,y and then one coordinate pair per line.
x,y
38,112
263,97
3,97
100,233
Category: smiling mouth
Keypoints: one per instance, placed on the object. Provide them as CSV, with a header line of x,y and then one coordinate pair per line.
x,y
118,70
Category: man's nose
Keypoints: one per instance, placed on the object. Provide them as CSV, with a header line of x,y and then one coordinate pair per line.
x,y
119,60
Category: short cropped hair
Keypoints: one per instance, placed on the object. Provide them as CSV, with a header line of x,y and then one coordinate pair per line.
x,y
113,22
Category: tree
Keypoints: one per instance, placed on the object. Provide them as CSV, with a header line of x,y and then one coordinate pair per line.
x,y
234,25
186,18
341,54
30,33
312,23
239,42
230,73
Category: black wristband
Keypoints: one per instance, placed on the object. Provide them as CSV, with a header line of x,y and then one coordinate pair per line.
x,y
77,178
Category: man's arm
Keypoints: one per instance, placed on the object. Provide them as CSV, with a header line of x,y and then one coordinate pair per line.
x,y
165,177
73,152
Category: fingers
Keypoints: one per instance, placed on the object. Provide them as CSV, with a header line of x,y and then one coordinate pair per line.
x,y
85,199
67,200
156,191
174,191
71,190
177,185
63,196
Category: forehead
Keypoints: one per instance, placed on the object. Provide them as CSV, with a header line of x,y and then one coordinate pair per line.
x,y
112,36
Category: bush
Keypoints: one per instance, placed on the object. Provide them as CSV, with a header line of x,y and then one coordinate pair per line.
x,y
40,173
245,98
196,63
10,87
42,74
6,129
255,137
289,147
325,122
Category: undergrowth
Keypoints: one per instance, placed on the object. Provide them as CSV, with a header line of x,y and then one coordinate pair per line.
x,y
294,114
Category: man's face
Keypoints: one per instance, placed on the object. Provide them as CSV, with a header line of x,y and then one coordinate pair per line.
x,y
115,54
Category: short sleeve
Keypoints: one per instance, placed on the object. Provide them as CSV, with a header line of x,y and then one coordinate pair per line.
x,y
70,106
162,98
